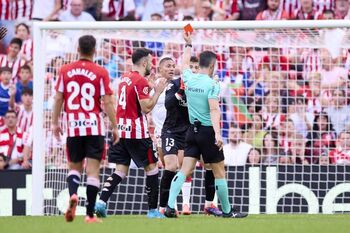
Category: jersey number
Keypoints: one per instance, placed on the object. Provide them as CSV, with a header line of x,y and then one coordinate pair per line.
x,y
169,142
122,97
87,92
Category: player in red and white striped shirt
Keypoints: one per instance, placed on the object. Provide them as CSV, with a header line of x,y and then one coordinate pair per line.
x,y
13,59
23,32
11,143
80,86
134,102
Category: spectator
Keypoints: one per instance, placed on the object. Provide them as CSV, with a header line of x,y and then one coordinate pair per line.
x,y
187,7
324,160
46,10
270,155
76,13
273,11
116,9
57,45
16,10
107,59
156,17
274,61
11,141
339,111
320,139
25,111
170,11
150,7
322,5
306,11
25,81
271,113
328,15
298,150
290,6
301,118
3,162
287,135
246,9
7,91
341,154
27,149
13,59
254,157
23,32
255,133
236,151
342,10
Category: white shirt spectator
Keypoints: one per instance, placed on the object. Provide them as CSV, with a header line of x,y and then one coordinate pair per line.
x,y
236,154
118,8
340,117
68,16
57,45
300,124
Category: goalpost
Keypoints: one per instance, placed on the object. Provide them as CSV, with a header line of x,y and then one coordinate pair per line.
x,y
278,57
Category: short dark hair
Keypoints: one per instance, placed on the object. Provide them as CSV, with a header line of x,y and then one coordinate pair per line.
x,y
164,59
26,67
194,59
17,41
188,18
156,14
173,1
27,91
206,58
11,111
5,69
24,25
138,54
329,11
87,44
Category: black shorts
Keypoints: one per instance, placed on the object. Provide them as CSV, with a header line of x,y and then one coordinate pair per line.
x,y
203,143
139,150
79,148
173,142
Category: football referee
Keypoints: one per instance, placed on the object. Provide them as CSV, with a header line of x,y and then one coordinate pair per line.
x,y
203,136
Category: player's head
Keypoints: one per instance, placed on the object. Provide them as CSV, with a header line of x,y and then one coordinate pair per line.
x,y
194,64
14,47
87,45
22,31
27,97
10,119
5,75
207,60
25,73
142,58
273,4
166,67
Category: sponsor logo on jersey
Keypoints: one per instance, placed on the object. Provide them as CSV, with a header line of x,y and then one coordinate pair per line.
x,y
82,123
124,127
145,90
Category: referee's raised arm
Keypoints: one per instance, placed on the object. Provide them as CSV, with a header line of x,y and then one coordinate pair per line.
x,y
186,57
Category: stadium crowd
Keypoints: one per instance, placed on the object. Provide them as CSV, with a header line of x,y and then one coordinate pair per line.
x,y
279,106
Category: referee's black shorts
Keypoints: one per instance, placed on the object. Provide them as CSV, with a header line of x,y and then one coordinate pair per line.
x,y
81,147
203,143
141,151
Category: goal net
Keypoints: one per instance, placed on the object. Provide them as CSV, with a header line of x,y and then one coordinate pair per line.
x,y
285,113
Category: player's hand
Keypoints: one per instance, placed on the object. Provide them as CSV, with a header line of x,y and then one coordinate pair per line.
x,y
161,85
187,37
218,141
3,32
26,165
57,132
115,135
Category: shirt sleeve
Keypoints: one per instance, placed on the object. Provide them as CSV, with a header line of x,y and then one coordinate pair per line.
x,y
186,75
105,84
214,92
142,89
170,98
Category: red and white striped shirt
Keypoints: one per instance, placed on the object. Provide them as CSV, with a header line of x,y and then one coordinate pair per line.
x,y
11,145
273,120
322,5
15,65
272,15
24,119
312,62
82,84
27,49
290,6
339,156
16,9
132,122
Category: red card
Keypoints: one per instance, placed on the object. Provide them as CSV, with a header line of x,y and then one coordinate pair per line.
x,y
188,28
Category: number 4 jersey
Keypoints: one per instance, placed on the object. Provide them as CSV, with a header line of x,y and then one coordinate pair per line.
x,y
83,83
132,122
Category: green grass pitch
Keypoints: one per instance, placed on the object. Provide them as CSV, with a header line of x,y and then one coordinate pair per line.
x,y
187,224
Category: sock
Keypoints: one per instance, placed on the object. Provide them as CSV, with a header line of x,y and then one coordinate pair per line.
x,y
175,188
165,183
222,191
93,185
73,180
209,183
152,188
110,185
186,192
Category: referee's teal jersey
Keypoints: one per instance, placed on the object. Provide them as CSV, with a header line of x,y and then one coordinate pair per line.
x,y
199,89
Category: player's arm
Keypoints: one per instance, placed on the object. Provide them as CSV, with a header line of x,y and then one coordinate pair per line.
x,y
213,99
148,103
109,105
171,97
57,107
186,57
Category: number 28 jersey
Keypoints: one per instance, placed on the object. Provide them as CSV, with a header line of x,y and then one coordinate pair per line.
x,y
83,83
132,122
